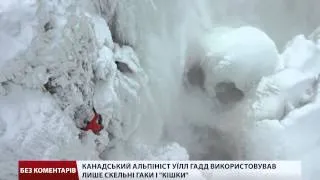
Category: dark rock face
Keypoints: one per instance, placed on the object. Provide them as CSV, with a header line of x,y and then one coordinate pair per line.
x,y
195,75
48,26
227,92
123,67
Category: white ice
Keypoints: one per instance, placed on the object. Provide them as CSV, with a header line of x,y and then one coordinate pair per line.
x,y
58,60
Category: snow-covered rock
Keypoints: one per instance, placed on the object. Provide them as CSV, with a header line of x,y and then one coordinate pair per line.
x,y
242,56
17,29
282,92
302,54
46,74
296,86
293,89
63,58
117,94
266,136
296,137
33,127
102,32
104,66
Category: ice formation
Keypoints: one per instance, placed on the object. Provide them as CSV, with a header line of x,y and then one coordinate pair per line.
x,y
54,67
241,56
59,58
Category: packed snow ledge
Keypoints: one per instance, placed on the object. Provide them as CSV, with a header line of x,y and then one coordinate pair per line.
x,y
55,66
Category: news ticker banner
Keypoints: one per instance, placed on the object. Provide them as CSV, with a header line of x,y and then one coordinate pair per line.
x,y
186,170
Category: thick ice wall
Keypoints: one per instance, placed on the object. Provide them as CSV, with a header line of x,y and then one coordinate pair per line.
x,y
152,58
67,67
34,123
54,71
158,31
76,40
67,35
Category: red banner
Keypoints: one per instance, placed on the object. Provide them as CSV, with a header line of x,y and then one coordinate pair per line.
x,y
48,170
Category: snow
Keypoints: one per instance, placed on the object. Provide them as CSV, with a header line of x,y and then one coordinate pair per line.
x,y
16,33
302,54
34,128
281,90
102,32
278,94
295,135
50,79
104,65
303,47
138,151
245,51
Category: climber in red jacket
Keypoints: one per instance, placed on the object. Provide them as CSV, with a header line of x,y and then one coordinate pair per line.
x,y
95,124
